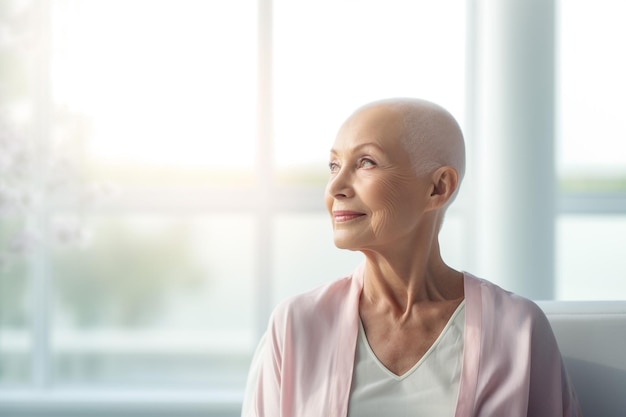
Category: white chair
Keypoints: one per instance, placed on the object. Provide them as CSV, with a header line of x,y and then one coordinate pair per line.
x,y
592,340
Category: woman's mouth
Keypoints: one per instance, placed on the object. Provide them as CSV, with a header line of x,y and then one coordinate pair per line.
x,y
342,216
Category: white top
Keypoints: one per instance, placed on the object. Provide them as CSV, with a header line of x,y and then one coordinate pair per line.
x,y
429,388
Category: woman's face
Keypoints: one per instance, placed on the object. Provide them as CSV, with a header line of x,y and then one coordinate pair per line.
x,y
373,195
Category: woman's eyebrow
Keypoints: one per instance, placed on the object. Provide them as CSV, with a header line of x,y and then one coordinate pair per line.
x,y
359,147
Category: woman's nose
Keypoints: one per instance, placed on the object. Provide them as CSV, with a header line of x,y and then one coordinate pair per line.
x,y
340,184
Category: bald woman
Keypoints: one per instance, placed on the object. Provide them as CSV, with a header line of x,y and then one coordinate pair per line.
x,y
404,334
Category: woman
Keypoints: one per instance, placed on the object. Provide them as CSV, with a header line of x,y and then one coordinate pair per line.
x,y
405,334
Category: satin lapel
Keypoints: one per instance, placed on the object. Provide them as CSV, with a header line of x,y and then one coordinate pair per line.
x,y
346,348
471,347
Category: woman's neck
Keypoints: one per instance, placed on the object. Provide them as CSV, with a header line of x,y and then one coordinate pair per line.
x,y
400,280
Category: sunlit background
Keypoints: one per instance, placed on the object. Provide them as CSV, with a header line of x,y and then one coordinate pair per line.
x,y
162,166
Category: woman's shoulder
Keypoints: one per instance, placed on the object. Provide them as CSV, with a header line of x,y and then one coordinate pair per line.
x,y
493,299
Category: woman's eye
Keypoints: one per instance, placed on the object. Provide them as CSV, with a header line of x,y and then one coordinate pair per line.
x,y
366,163
334,167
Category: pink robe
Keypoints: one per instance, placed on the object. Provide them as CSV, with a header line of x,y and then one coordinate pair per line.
x,y
511,362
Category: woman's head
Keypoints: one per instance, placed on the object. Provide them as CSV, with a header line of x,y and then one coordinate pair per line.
x,y
431,135
395,166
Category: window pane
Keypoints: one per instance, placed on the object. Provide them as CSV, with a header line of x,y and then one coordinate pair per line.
x,y
20,163
591,68
334,55
156,300
454,243
156,92
15,300
590,257
305,255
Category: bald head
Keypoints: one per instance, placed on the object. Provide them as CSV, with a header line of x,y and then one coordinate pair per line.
x,y
430,134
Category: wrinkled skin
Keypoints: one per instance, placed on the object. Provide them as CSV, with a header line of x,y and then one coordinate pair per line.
x,y
372,174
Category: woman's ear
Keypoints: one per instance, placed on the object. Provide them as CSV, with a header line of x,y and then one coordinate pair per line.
x,y
445,182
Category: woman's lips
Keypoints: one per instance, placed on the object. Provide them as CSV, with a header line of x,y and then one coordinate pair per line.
x,y
341,216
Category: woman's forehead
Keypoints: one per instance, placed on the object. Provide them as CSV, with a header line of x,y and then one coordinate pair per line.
x,y
377,126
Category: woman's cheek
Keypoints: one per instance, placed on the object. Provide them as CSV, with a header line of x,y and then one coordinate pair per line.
x,y
380,221
392,195
387,201
392,191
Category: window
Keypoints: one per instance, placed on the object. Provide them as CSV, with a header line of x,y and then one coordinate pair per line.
x,y
332,56
128,227
591,150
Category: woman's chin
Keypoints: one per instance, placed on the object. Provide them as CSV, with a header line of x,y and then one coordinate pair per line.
x,y
347,244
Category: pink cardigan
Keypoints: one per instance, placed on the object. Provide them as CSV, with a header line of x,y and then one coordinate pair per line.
x,y
511,362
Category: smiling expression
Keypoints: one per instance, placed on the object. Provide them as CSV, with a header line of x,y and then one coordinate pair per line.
x,y
375,198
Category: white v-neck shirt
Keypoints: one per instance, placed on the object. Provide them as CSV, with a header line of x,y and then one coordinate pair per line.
x,y
429,388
